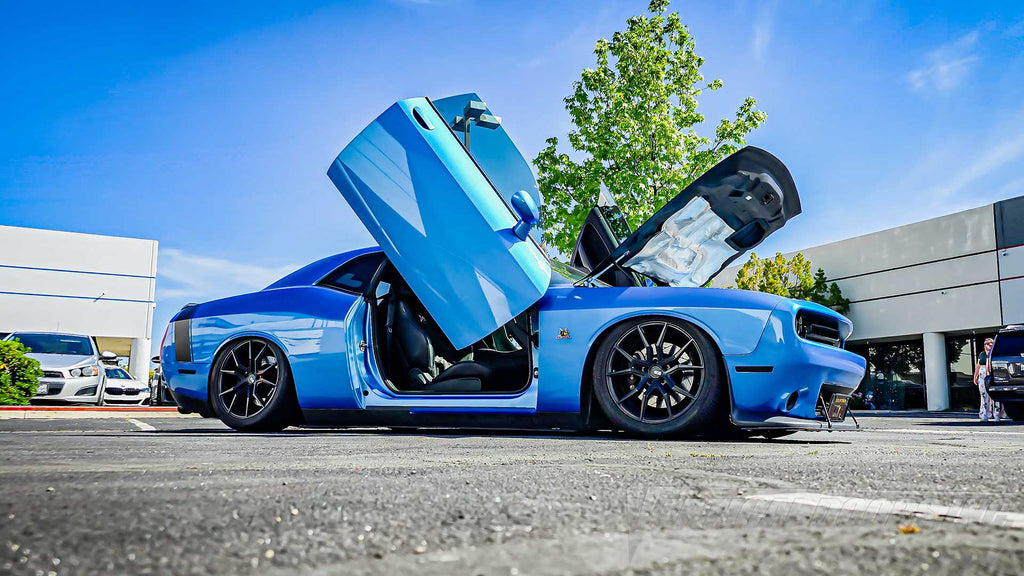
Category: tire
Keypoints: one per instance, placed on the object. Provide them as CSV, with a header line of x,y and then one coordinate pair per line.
x,y
665,361
251,387
1015,410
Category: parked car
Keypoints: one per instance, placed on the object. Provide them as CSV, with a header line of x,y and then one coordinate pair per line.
x,y
71,363
159,394
121,388
1007,384
459,318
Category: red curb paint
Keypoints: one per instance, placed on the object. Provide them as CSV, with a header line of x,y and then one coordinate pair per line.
x,y
87,409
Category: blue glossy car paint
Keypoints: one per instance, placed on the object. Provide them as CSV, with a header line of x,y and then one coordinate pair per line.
x,y
733,319
448,231
320,329
423,198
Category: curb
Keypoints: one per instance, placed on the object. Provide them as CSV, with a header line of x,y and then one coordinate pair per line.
x,y
143,409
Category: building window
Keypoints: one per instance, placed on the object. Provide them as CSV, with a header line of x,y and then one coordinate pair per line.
x,y
895,376
960,353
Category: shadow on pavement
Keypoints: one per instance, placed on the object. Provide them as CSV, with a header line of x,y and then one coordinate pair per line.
x,y
441,433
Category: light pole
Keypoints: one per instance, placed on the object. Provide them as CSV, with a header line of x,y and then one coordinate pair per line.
x,y
474,113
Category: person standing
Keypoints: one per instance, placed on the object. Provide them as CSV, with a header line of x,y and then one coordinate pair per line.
x,y
987,409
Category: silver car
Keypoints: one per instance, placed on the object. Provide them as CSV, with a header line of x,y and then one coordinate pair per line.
x,y
71,366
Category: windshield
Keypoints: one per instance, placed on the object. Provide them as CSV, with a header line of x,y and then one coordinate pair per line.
x,y
56,344
1008,344
562,273
118,374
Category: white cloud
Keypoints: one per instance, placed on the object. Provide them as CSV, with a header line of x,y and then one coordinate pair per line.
x,y
763,25
196,278
1014,30
946,66
960,171
991,156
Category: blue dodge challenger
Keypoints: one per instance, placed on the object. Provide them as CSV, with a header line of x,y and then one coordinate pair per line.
x,y
460,319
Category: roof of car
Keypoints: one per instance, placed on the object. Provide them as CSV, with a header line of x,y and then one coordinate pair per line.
x,y
49,333
1013,328
310,273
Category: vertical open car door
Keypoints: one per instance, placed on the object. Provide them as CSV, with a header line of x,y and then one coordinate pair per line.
x,y
440,220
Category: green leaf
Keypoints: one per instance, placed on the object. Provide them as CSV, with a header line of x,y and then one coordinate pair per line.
x,y
635,121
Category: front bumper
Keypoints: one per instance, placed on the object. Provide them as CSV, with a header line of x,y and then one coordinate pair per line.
x,y
1003,392
125,395
786,382
70,389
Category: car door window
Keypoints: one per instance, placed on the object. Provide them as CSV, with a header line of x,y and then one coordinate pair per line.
x,y
355,275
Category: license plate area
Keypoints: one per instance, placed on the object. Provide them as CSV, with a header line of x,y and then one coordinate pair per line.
x,y
837,407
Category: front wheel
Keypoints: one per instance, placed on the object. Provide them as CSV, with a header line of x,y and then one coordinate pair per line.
x,y
251,387
659,377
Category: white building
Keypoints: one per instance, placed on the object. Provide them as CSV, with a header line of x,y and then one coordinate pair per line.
x,y
925,295
101,286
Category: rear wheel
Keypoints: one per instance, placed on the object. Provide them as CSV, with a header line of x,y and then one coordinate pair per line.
x,y
251,386
659,377
1015,410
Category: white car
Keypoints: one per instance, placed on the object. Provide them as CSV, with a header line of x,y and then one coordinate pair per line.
x,y
123,389
72,371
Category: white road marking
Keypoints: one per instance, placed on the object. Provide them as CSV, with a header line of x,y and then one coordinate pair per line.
x,y
884,507
945,432
142,425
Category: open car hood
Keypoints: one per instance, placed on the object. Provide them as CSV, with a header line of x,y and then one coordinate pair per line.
x,y
727,211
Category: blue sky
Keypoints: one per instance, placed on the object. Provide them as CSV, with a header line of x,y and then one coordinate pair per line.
x,y
209,126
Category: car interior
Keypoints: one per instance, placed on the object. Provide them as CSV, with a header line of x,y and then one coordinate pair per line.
x,y
415,356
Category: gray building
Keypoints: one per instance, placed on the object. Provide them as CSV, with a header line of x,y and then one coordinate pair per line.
x,y
100,286
923,298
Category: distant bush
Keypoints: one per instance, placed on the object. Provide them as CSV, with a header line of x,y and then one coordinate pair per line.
x,y
19,374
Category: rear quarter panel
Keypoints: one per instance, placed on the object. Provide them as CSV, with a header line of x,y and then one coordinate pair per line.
x,y
306,322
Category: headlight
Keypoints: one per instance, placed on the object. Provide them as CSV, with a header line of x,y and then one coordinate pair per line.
x,y
85,371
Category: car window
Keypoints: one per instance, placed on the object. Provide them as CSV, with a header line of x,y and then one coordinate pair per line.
x,y
1008,344
562,273
118,374
355,275
55,344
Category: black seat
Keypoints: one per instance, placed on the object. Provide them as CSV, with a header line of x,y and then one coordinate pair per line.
x,y
411,355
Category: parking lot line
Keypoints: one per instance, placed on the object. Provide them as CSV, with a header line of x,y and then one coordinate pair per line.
x,y
891,507
948,431
142,425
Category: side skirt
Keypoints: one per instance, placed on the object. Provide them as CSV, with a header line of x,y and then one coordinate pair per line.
x,y
408,417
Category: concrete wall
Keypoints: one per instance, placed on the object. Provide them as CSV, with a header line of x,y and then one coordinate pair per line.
x,y
1011,272
938,275
102,286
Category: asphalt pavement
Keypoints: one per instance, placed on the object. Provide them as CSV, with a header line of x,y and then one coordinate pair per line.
x,y
162,494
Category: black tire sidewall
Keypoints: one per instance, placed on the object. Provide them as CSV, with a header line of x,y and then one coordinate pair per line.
x,y
1015,410
277,415
701,416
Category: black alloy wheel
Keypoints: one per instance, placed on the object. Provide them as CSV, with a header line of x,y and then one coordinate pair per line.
x,y
250,387
658,376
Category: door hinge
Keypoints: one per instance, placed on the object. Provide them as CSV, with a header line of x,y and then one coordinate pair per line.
x,y
362,345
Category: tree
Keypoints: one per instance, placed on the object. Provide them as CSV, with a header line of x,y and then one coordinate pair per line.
x,y
635,115
791,278
19,374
